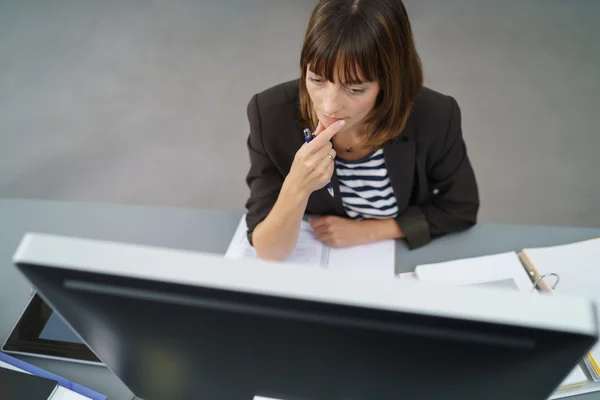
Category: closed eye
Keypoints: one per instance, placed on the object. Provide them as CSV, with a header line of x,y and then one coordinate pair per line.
x,y
356,90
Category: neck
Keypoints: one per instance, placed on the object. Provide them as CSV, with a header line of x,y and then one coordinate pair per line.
x,y
351,138
354,134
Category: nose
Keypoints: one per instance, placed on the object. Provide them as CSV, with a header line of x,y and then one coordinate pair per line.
x,y
331,104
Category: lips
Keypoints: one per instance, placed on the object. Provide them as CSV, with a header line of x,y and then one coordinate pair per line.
x,y
330,120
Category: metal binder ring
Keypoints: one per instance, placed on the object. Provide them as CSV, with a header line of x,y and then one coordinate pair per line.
x,y
540,278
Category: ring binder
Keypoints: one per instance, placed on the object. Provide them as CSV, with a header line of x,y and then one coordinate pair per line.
x,y
325,258
540,278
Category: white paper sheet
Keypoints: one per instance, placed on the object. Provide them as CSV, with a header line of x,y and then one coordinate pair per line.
x,y
376,259
578,266
308,251
66,394
264,398
12,367
575,377
503,271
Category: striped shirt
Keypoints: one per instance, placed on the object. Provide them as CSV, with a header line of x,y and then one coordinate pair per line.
x,y
365,187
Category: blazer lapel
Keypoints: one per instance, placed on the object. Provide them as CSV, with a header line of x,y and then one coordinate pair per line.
x,y
337,196
323,197
400,162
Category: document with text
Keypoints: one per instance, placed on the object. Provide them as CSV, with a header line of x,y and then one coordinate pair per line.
x,y
375,259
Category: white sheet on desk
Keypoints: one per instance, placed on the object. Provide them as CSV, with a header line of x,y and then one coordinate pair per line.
x,y
263,398
66,394
375,259
578,265
588,387
61,393
492,270
407,276
11,367
308,251
576,376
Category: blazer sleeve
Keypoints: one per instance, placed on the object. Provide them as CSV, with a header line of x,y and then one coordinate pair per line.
x,y
453,194
263,178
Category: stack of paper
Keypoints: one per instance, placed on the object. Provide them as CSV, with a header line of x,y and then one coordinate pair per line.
x,y
502,271
376,259
499,271
308,251
578,266
575,380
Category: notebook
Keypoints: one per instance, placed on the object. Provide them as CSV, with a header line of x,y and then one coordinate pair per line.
x,y
571,269
375,259
16,385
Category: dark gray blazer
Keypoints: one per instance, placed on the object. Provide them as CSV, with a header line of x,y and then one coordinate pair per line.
x,y
427,164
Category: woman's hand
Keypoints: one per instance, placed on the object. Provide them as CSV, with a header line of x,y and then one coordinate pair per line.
x,y
345,232
313,164
339,232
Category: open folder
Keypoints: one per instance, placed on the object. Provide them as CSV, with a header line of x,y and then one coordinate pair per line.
x,y
376,259
572,269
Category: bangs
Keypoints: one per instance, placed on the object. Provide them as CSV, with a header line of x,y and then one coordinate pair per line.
x,y
352,42
348,56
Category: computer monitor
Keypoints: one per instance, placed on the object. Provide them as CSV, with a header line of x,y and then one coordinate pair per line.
x,y
182,325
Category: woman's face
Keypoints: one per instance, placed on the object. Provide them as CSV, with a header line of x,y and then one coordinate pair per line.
x,y
351,101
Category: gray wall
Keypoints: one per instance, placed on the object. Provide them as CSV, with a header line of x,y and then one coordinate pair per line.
x,y
143,101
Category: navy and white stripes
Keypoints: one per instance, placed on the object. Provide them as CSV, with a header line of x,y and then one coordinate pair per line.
x,y
365,187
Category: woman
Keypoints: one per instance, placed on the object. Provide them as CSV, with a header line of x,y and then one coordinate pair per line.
x,y
391,148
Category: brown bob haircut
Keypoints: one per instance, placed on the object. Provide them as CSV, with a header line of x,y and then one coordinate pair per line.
x,y
364,41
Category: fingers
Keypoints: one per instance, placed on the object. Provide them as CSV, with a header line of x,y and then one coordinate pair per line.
x,y
321,144
326,134
326,165
318,223
325,231
314,161
329,239
321,231
318,161
320,128
310,148
322,236
332,153
321,153
332,242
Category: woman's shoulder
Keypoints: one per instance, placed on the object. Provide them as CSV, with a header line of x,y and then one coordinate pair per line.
x,y
431,115
429,102
276,109
283,94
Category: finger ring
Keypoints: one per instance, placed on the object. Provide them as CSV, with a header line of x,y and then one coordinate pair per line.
x,y
330,156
